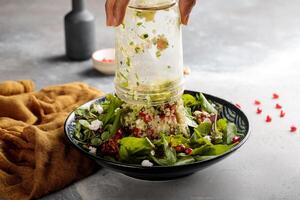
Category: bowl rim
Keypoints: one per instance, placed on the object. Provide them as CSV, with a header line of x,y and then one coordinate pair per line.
x,y
101,160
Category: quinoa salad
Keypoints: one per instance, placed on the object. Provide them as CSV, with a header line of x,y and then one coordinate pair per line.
x,y
176,133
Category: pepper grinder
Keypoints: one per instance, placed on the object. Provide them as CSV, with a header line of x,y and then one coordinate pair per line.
x,y
80,38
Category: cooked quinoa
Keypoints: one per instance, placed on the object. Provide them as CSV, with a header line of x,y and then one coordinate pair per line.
x,y
150,121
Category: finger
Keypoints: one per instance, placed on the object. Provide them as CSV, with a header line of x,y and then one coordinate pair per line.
x,y
119,11
185,7
109,9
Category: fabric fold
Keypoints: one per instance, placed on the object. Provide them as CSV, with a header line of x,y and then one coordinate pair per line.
x,y
35,156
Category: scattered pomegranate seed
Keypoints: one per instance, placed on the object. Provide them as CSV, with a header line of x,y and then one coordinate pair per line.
x,y
257,102
188,151
282,113
238,105
268,119
275,96
278,106
180,148
236,139
293,129
258,110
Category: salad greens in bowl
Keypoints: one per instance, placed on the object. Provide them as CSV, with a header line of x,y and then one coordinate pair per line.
x,y
158,142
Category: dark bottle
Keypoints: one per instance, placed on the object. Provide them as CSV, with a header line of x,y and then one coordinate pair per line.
x,y
79,32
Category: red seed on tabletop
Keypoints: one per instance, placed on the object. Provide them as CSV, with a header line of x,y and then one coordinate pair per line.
x,y
236,139
258,110
257,102
275,96
268,119
282,113
188,151
293,129
278,106
238,105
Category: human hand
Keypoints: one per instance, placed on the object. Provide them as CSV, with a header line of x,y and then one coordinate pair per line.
x,y
115,11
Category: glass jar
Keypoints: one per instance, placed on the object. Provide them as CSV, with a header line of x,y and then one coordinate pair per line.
x,y
149,53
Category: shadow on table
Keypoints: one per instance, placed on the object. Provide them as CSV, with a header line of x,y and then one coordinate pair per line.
x,y
58,59
92,72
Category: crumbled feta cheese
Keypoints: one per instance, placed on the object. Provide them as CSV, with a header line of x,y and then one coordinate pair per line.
x,y
99,108
207,138
207,120
95,125
197,112
152,152
147,163
92,150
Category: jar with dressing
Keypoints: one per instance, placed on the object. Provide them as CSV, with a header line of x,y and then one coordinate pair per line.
x,y
149,53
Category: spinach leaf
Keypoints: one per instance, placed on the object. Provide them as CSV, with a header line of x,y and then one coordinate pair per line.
x,y
222,125
116,124
169,154
218,149
84,123
195,136
109,107
185,160
105,135
132,147
175,140
204,128
202,150
199,158
231,132
205,105
96,141
189,100
190,120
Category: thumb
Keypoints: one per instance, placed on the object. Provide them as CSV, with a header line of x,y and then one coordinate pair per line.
x,y
120,10
185,7
109,9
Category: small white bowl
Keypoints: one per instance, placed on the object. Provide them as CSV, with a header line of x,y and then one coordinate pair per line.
x,y
104,61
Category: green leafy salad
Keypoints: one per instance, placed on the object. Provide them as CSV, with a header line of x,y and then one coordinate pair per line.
x,y
175,133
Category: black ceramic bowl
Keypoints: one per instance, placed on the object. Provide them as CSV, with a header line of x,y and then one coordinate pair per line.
x,y
229,111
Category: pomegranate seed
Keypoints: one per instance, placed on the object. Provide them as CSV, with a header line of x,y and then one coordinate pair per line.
x,y
142,114
275,96
268,119
258,110
180,148
293,129
162,116
278,106
257,102
188,151
137,132
236,139
238,105
282,113
147,118
119,134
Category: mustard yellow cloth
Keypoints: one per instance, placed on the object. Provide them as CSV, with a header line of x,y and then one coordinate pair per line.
x,y
35,156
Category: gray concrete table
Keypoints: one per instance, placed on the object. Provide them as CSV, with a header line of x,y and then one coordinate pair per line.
x,y
237,49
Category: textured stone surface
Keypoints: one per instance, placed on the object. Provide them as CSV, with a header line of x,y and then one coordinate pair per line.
x,y
238,50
